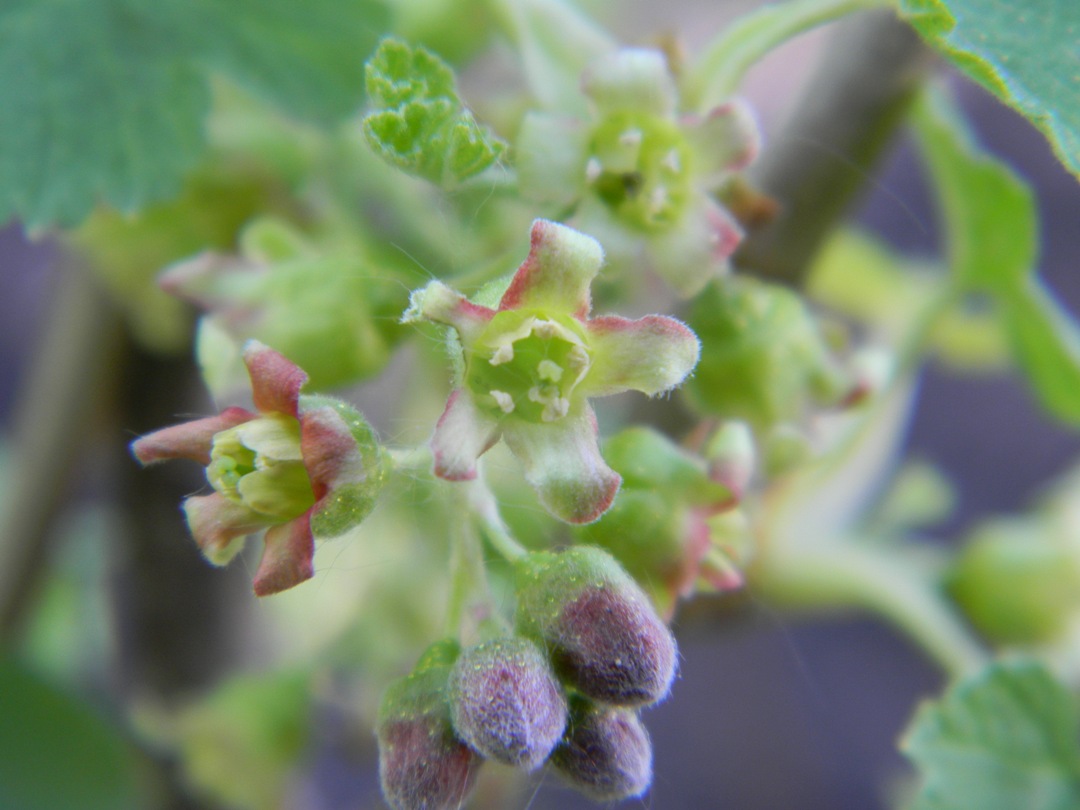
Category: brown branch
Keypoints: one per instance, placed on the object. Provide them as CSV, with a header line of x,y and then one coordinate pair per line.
x,y
817,165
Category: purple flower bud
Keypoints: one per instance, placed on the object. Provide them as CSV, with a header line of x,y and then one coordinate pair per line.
x,y
603,634
422,764
506,703
606,753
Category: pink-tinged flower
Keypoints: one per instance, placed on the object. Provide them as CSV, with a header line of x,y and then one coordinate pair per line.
x,y
299,467
639,175
530,365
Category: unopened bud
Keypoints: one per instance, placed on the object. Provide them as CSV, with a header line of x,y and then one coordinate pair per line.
x,y
606,753
422,763
506,703
603,635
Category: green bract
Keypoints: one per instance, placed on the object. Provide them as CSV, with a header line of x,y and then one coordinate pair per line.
x,y
530,365
418,122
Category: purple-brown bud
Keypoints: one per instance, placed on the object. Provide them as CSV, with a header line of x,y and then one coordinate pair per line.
x,y
606,753
422,763
506,703
601,630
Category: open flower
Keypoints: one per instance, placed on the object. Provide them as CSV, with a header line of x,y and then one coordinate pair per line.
x,y
301,467
530,365
639,174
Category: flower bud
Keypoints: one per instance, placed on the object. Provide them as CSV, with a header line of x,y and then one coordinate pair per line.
x,y
422,764
765,360
506,703
606,753
602,633
1018,581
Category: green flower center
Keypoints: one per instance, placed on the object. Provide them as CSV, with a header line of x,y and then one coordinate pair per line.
x,y
528,363
639,167
259,464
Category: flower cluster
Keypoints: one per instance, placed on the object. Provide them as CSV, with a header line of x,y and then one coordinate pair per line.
x,y
299,467
565,689
530,365
639,174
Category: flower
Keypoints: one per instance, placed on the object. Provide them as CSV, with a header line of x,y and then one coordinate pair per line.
x,y
301,467
639,175
530,365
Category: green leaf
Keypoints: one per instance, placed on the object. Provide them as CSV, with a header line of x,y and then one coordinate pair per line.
x,y
111,94
990,217
1001,740
55,752
1046,342
418,123
989,211
1027,54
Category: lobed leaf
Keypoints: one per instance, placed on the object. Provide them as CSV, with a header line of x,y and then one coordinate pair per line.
x,y
1027,54
104,100
1003,739
418,123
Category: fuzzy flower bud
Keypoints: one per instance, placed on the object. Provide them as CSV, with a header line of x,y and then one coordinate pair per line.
x,y
606,753
603,634
506,703
422,764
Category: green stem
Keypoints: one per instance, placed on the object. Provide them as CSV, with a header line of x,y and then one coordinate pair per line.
x,y
468,576
485,509
721,67
885,581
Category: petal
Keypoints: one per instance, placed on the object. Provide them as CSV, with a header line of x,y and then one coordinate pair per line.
x,y
652,354
557,273
288,557
439,303
631,79
697,249
275,380
562,461
462,435
724,141
551,152
216,523
191,440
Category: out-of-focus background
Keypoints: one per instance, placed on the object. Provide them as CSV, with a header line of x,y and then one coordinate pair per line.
x,y
770,711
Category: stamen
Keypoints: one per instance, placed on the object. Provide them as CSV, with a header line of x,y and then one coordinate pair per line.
x,y
504,401
671,162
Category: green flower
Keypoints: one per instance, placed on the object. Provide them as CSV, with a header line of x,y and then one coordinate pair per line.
x,y
638,175
531,364
299,467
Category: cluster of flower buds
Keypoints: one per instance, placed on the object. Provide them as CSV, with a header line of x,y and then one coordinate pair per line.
x,y
588,652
